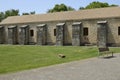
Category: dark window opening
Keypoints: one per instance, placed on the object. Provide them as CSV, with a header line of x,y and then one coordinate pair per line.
x,y
85,31
118,30
54,32
31,33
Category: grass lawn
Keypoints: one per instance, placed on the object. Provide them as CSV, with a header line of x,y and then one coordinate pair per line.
x,y
15,58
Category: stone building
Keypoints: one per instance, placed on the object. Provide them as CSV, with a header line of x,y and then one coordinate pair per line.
x,y
84,27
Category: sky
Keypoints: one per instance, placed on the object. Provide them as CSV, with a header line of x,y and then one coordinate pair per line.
x,y
42,6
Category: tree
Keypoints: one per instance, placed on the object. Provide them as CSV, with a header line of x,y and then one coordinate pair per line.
x,y
69,8
33,12
25,13
11,12
97,4
59,8
2,16
81,8
7,13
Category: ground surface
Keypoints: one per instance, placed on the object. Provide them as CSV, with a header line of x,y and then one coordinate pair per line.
x,y
15,58
90,69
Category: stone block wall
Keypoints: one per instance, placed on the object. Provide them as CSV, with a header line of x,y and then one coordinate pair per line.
x,y
113,39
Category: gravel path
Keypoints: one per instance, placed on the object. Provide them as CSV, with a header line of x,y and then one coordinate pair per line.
x,y
90,69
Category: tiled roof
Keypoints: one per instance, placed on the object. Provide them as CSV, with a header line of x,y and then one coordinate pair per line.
x,y
68,15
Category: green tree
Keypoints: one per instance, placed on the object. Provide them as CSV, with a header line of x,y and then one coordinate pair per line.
x,y
97,4
25,13
2,16
11,12
69,8
59,8
8,13
33,12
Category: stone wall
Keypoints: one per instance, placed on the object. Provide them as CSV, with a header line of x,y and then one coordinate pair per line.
x,y
113,39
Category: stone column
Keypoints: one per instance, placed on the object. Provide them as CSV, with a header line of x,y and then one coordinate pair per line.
x,y
24,35
12,34
76,34
60,34
41,34
2,35
102,33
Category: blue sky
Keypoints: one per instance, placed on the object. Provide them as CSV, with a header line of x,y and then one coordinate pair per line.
x,y
41,6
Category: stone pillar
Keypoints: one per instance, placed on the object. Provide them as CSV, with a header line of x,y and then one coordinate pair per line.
x,y
60,34
2,35
41,34
76,34
102,33
12,34
24,35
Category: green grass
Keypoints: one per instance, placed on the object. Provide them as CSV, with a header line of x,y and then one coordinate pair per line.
x,y
15,58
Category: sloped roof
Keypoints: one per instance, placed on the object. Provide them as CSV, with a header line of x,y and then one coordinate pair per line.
x,y
68,15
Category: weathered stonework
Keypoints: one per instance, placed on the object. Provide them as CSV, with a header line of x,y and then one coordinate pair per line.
x,y
76,34
102,34
41,34
24,35
41,31
2,34
60,34
12,35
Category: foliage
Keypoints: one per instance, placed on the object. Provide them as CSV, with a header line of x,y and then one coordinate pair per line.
x,y
7,13
12,12
97,4
2,16
15,58
28,13
25,13
59,8
69,8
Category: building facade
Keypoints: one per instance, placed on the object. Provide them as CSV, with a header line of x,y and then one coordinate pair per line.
x,y
85,27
